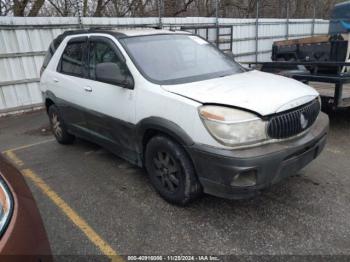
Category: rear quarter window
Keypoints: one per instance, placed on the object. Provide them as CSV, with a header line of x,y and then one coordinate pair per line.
x,y
50,52
48,56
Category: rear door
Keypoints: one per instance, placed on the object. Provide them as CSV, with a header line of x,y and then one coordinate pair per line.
x,y
69,82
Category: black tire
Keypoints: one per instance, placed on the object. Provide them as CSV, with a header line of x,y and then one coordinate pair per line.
x,y
58,127
171,171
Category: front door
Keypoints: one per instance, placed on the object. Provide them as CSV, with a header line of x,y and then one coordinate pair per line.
x,y
111,107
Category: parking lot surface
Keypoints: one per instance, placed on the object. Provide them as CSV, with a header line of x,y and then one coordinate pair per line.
x,y
308,214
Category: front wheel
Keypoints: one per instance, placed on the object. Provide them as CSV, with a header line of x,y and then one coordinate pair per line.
x,y
58,128
171,171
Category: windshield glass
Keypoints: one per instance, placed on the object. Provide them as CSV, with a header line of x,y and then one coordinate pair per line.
x,y
175,59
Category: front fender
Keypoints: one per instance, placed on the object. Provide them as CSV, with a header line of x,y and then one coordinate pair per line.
x,y
164,126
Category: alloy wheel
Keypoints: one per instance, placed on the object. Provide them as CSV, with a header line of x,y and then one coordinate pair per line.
x,y
167,171
56,125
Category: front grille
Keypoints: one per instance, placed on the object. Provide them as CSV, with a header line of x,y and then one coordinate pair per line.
x,y
293,122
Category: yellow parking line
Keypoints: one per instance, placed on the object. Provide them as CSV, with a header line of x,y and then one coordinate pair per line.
x,y
91,234
73,216
12,156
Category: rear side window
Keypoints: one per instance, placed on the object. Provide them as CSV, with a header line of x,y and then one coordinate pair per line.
x,y
73,59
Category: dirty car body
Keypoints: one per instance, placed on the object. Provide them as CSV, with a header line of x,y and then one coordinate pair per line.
x,y
227,131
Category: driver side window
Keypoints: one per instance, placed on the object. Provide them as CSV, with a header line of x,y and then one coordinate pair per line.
x,y
101,52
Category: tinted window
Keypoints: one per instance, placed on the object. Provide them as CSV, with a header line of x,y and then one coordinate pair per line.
x,y
51,51
48,56
175,59
72,61
101,52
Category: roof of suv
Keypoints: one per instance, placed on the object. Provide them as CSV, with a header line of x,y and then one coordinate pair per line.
x,y
122,32
116,32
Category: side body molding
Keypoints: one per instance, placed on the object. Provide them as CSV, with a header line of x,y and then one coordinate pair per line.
x,y
138,134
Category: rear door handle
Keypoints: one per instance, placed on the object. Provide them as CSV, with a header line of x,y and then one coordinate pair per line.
x,y
87,88
55,80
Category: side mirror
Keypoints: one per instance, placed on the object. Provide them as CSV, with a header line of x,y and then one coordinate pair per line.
x,y
112,73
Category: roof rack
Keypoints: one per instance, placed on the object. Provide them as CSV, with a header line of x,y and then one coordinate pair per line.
x,y
107,29
89,30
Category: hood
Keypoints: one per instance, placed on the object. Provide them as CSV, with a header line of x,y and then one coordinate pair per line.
x,y
260,92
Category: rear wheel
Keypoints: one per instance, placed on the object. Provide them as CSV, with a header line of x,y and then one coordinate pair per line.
x,y
171,172
58,128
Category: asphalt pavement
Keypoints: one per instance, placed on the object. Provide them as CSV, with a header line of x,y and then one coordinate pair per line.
x,y
307,214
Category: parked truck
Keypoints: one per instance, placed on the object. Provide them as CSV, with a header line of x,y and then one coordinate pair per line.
x,y
322,61
333,47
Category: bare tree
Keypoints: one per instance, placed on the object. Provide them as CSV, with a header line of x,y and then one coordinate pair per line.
x,y
6,7
19,7
99,8
85,7
61,8
36,7
27,7
170,8
184,7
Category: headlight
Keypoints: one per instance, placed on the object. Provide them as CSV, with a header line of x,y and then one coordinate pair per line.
x,y
6,206
233,127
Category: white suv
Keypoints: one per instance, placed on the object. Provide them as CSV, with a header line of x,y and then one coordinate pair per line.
x,y
173,103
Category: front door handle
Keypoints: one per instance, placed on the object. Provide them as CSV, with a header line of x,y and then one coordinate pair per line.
x,y
55,80
87,88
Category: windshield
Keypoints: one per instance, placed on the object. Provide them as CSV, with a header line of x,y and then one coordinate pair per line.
x,y
175,59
